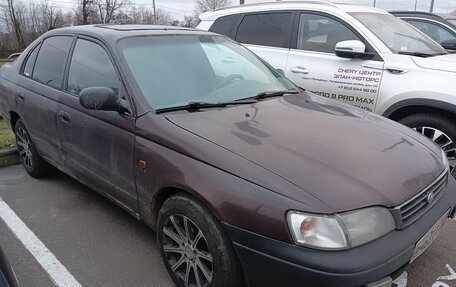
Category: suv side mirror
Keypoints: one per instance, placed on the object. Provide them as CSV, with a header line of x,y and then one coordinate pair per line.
x,y
352,49
449,44
99,98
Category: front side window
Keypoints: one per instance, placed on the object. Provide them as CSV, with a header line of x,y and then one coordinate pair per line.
x,y
321,34
268,29
91,67
28,68
176,70
50,62
400,37
436,32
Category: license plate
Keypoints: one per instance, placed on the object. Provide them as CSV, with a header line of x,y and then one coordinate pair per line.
x,y
429,237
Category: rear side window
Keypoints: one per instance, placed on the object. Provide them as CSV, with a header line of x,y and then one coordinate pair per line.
x,y
268,29
321,34
28,68
224,25
91,67
50,63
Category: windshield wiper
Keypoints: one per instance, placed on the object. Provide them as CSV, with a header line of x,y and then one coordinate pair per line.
x,y
192,106
264,95
420,54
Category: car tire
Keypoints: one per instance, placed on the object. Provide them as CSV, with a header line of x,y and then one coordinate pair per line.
x,y
33,163
211,259
439,128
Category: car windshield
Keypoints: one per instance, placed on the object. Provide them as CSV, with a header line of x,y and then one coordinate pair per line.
x,y
399,36
173,71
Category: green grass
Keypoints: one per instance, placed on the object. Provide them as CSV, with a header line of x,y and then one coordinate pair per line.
x,y
7,139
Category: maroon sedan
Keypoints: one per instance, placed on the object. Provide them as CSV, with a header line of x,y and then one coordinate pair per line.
x,y
248,179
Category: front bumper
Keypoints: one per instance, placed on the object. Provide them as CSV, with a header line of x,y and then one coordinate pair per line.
x,y
268,262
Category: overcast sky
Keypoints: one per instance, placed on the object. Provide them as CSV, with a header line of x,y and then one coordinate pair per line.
x,y
179,8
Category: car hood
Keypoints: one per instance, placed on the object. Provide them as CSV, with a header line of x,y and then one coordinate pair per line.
x,y
440,63
345,157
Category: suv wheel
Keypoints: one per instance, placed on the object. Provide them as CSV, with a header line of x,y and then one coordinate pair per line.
x,y
193,245
440,129
31,160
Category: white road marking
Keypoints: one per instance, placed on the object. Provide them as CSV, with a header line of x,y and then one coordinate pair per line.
x,y
452,275
401,281
58,273
440,284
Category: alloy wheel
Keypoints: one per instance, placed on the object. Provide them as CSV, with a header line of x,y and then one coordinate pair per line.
x,y
187,252
443,141
24,148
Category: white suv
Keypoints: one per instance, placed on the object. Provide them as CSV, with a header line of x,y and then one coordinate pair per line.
x,y
359,55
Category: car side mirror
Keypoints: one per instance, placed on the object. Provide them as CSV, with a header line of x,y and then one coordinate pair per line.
x,y
99,98
353,49
449,44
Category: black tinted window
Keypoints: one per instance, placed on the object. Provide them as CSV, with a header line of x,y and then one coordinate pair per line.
x,y
270,29
224,25
321,34
91,67
28,68
50,63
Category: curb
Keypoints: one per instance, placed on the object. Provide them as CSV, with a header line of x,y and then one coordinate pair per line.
x,y
9,157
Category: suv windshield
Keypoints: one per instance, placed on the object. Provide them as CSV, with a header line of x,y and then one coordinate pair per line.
x,y
399,36
173,71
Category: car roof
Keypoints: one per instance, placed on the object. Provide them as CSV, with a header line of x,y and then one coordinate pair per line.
x,y
113,32
430,15
447,16
416,13
440,17
288,5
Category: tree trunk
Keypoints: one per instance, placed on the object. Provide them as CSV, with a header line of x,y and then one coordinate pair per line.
x,y
84,12
16,25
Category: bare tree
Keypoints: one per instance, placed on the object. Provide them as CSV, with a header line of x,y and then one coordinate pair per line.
x,y
51,17
85,13
189,22
13,16
202,6
142,15
162,17
108,10
23,23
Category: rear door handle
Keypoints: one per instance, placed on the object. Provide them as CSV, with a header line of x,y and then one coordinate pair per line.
x,y
20,97
65,117
299,70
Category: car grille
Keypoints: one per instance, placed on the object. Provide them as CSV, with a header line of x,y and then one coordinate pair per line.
x,y
412,209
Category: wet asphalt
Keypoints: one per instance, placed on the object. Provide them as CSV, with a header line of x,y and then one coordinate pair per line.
x,y
102,245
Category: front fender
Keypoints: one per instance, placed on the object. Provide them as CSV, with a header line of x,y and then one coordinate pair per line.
x,y
441,101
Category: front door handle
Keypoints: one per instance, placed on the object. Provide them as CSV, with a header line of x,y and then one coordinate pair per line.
x,y
299,70
65,117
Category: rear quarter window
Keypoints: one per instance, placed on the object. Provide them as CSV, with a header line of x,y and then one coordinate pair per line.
x,y
267,29
30,63
224,25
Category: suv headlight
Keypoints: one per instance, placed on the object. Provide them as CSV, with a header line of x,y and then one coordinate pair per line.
x,y
446,162
340,231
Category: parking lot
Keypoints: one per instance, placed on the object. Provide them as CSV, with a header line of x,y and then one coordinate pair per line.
x,y
99,244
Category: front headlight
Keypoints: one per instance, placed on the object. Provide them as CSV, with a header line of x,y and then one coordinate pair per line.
x,y
446,162
340,231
